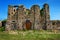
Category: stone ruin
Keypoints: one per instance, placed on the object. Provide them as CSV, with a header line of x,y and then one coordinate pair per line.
x,y
20,18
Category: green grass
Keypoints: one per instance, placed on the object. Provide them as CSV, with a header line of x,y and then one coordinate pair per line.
x,y
29,35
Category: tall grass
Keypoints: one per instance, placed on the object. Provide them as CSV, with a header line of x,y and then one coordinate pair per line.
x,y
28,35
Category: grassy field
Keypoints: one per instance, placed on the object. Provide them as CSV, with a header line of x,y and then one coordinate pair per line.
x,y
29,35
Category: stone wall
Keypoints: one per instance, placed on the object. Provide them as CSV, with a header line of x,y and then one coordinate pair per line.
x,y
46,16
0,24
55,24
20,18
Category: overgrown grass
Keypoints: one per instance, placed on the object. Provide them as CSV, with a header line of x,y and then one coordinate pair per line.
x,y
29,35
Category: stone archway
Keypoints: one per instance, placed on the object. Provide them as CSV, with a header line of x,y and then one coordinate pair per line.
x,y
28,24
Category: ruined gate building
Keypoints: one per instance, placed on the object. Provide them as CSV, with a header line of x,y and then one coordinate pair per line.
x,y
20,18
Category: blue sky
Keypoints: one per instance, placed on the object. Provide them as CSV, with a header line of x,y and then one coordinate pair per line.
x,y
53,4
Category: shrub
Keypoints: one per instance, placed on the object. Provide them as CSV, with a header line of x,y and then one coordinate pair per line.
x,y
2,29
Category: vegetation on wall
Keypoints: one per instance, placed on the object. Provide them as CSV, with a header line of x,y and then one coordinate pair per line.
x,y
41,12
3,25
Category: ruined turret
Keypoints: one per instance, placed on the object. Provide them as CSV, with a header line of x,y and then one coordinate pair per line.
x,y
21,17
36,14
47,16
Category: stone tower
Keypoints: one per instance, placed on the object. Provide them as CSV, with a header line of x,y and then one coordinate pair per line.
x,y
46,16
35,11
11,21
8,24
21,17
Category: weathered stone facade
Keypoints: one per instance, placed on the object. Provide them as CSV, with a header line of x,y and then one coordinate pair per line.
x,y
0,24
20,18
55,24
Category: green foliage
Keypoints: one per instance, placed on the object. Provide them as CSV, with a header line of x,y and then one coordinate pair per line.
x,y
4,20
2,29
27,12
41,12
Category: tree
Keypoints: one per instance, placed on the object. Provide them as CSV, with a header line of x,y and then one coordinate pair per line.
x,y
4,22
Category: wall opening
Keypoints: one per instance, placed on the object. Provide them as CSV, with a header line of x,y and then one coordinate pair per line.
x,y
14,25
28,24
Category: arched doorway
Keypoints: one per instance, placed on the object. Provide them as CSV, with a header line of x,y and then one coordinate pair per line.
x,y
28,24
13,25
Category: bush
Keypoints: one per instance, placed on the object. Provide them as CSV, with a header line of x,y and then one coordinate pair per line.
x,y
2,29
